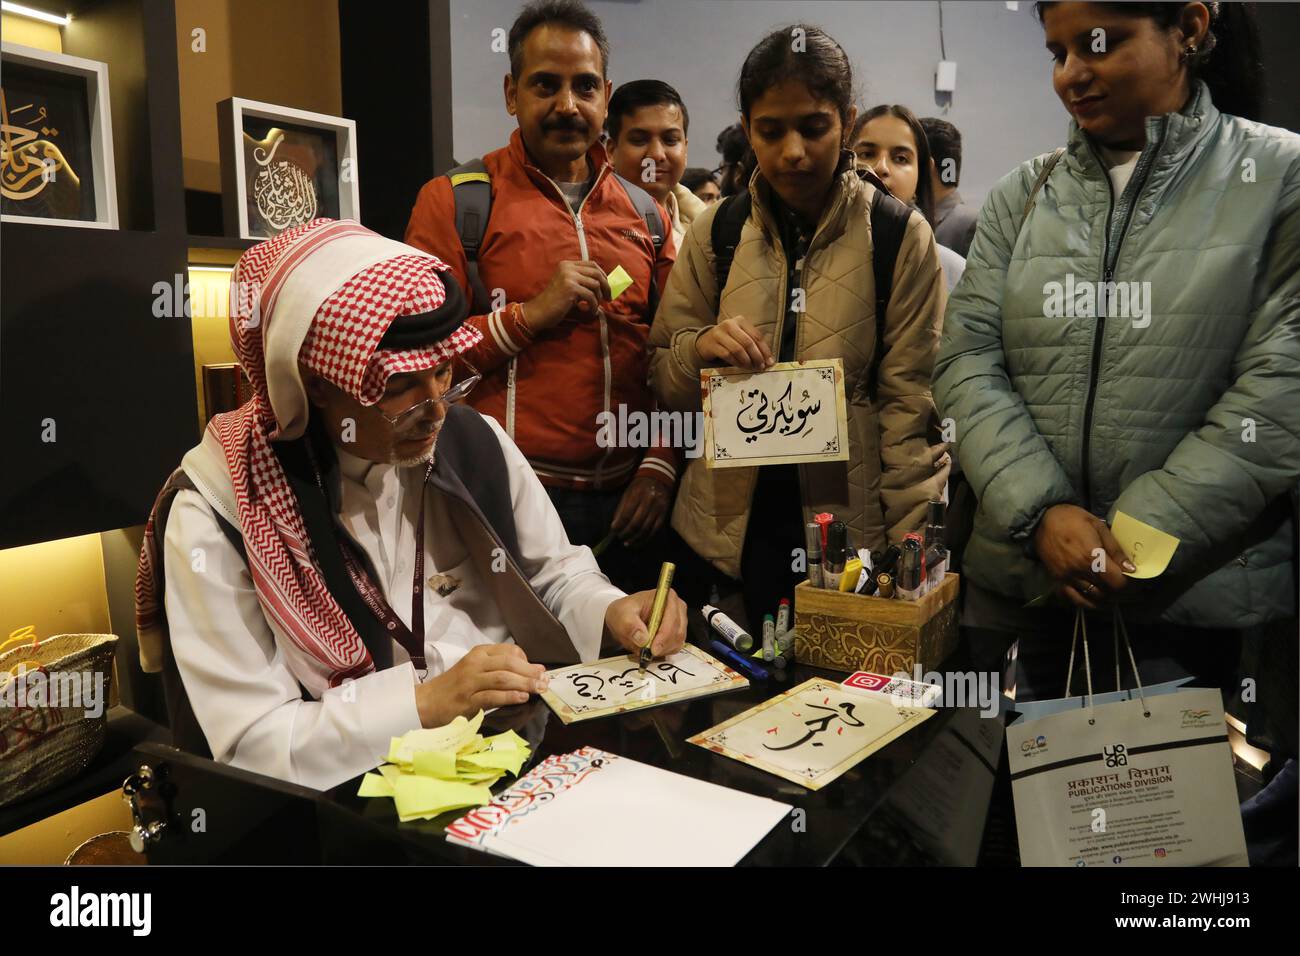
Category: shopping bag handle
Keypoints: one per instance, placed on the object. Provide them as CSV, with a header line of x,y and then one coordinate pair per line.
x,y
1120,627
1081,627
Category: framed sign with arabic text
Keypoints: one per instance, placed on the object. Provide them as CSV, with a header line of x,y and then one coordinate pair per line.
x,y
793,412
56,144
282,167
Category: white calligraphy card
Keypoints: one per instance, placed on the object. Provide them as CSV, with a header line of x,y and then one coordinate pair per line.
x,y
615,685
793,412
812,733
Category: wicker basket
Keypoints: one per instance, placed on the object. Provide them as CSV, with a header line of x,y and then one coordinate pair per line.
x,y
42,745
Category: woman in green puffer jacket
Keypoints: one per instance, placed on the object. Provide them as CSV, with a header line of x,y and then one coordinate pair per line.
x,y
1172,395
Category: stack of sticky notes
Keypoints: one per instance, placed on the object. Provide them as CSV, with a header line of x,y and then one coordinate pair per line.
x,y
446,768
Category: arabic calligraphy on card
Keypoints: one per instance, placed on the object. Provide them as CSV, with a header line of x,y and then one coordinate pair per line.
x,y
812,733
793,412
615,685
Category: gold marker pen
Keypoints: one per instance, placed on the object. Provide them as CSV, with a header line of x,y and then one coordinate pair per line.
x,y
657,612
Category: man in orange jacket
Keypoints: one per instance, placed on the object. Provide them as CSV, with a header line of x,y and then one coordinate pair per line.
x,y
560,355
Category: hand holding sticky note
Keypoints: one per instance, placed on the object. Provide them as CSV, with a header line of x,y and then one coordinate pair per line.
x,y
619,281
1150,549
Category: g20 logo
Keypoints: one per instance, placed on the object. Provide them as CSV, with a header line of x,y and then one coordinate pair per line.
x,y
1037,743
1115,755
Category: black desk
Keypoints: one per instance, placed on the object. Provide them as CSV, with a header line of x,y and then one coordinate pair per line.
x,y
923,799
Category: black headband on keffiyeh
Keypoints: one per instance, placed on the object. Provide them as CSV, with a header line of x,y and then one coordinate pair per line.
x,y
429,328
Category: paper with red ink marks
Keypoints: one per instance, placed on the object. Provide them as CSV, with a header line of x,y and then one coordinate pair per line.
x,y
813,733
587,808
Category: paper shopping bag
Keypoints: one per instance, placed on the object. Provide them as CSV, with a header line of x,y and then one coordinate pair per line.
x,y
1142,782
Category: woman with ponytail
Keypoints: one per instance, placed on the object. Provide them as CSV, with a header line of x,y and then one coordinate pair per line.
x,y
794,281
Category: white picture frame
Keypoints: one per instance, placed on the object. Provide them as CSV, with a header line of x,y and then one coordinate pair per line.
x,y
231,114
103,170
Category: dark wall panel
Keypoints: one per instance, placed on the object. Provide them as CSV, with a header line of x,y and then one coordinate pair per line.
x,y
79,342
402,105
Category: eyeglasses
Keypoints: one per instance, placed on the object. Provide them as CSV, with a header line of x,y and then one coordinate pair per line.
x,y
453,395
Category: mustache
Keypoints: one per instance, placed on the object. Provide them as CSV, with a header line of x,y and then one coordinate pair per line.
x,y
418,432
569,124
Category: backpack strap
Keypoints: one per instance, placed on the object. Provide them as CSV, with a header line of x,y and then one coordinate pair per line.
x,y
889,218
655,227
728,222
471,191
1046,171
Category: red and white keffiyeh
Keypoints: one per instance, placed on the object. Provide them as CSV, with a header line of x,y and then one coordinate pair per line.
x,y
324,293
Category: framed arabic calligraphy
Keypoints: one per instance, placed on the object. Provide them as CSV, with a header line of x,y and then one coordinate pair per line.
x,y
614,685
56,141
282,167
812,733
793,412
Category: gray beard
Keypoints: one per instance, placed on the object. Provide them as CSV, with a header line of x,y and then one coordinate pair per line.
x,y
418,459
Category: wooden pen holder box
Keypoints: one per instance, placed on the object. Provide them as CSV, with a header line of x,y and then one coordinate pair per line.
x,y
854,632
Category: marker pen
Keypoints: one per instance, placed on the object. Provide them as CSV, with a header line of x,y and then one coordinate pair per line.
x,y
731,632
783,616
836,555
888,562
884,585
812,535
784,659
936,549
910,576
824,521
769,637
867,579
736,661
784,641
852,571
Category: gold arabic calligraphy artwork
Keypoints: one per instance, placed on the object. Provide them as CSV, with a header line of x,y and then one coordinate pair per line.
x,y
792,412
37,177
284,192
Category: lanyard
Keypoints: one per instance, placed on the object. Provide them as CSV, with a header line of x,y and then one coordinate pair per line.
x,y
412,638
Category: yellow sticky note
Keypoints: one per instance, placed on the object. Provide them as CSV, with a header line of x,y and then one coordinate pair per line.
x,y
427,796
451,737
485,777
390,772
1149,548
471,745
510,760
373,785
619,281
434,763
507,741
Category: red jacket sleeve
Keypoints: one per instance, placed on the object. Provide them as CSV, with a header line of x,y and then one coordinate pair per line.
x,y
432,227
662,462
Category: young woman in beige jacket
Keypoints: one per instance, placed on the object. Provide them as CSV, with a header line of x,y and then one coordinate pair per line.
x,y
809,229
